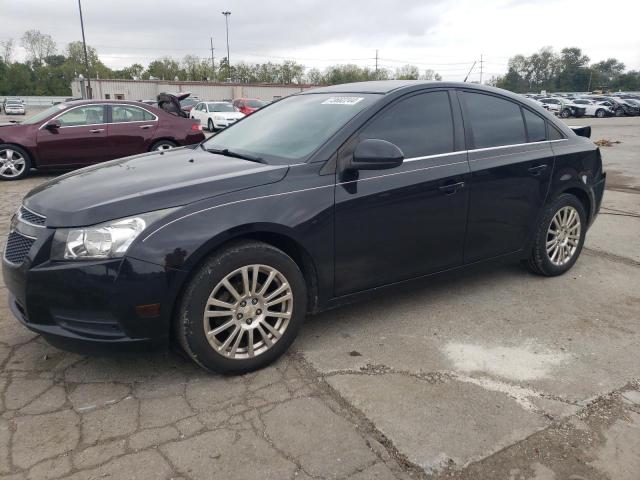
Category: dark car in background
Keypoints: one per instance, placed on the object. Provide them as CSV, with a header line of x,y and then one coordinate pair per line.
x,y
79,133
248,105
322,198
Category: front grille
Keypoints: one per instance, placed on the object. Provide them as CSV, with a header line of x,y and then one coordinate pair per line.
x,y
32,218
17,248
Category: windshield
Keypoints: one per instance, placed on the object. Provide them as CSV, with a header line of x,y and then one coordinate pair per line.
x,y
222,107
38,117
290,130
255,103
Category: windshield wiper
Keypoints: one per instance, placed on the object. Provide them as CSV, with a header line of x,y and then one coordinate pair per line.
x,y
230,153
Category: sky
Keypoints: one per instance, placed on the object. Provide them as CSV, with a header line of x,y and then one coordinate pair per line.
x,y
444,35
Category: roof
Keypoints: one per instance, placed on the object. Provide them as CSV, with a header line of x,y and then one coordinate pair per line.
x,y
388,86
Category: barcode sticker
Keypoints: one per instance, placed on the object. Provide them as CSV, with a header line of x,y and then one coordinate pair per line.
x,y
342,100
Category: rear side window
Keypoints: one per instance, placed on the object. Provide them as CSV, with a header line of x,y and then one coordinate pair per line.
x,y
126,113
536,130
494,121
554,133
420,125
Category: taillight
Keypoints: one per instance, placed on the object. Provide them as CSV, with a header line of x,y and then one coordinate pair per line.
x,y
196,127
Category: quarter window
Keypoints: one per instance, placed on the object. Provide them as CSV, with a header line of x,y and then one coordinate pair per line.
x,y
126,113
89,115
420,125
536,130
494,121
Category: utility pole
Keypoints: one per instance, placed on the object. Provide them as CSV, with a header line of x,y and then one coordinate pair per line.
x,y
213,62
86,57
226,21
376,63
480,69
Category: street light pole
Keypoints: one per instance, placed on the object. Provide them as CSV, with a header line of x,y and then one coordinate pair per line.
x,y
226,21
86,57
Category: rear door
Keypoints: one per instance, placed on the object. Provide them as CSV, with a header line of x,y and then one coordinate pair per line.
x,y
392,225
511,165
80,140
131,130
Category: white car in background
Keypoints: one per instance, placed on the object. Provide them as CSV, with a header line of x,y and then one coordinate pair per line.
x,y
216,115
14,107
594,109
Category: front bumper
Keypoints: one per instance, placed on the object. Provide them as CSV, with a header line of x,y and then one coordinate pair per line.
x,y
77,305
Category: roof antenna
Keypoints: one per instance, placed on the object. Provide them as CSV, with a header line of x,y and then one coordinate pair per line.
x,y
470,70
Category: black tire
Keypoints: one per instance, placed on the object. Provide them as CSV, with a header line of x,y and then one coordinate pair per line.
x,y
566,113
539,261
600,113
17,153
190,324
161,145
210,126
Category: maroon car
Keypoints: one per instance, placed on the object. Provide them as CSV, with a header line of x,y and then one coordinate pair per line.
x,y
78,133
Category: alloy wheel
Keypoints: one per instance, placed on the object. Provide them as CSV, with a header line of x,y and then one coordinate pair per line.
x,y
563,235
248,311
12,163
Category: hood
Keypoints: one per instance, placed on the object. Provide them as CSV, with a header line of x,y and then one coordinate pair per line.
x,y
9,124
144,183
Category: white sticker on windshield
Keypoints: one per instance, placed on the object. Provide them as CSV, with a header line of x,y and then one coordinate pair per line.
x,y
342,100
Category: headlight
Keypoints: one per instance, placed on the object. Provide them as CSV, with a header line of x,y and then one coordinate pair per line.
x,y
106,240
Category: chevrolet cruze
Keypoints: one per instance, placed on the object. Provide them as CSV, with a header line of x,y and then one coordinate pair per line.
x,y
313,201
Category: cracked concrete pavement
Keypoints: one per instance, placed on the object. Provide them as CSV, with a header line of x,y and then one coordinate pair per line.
x,y
493,373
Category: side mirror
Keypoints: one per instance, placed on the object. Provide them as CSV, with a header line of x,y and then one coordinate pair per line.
x,y
374,154
53,125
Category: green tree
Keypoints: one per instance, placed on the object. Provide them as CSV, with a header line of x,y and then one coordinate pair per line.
x,y
38,45
407,72
165,68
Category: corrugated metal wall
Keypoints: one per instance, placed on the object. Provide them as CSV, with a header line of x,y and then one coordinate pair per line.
x,y
149,89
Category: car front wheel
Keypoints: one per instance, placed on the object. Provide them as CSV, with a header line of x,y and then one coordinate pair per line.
x,y
242,309
600,113
210,126
565,113
559,237
14,162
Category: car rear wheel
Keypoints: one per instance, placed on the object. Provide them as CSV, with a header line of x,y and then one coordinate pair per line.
x,y
566,113
210,126
242,309
559,238
14,162
600,113
162,145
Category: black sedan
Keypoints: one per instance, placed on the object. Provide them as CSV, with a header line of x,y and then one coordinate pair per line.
x,y
316,200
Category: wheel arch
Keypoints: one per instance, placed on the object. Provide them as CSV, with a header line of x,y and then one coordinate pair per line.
x,y
32,157
163,138
275,237
582,195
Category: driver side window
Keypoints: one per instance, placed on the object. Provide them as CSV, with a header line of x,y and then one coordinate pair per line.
x,y
89,115
420,125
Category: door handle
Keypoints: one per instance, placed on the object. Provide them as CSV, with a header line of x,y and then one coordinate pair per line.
x,y
145,127
538,169
96,130
451,188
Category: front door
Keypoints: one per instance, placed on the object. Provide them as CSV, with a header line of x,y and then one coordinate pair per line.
x,y
511,165
80,140
397,224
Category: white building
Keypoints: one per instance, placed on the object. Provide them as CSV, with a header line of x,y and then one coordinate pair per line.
x,y
149,89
